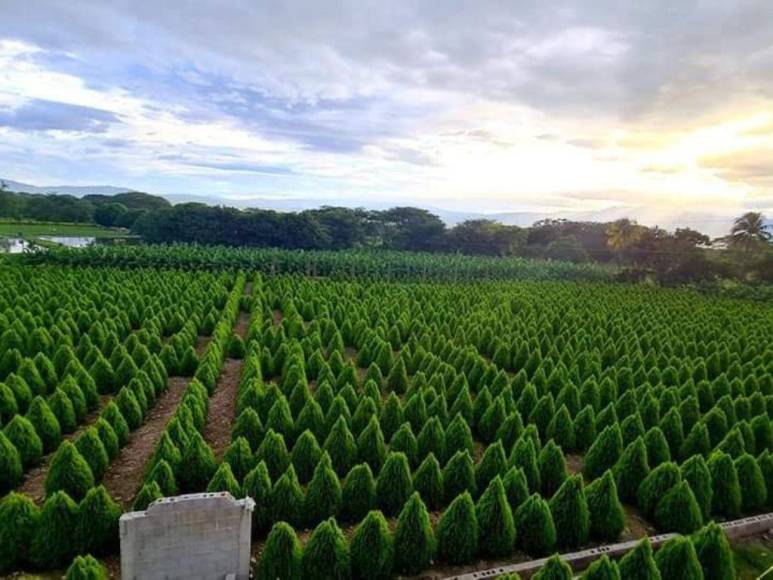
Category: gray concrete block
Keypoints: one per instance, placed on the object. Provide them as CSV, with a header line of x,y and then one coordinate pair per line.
x,y
200,536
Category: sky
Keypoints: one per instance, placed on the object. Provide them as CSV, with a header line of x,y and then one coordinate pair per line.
x,y
661,110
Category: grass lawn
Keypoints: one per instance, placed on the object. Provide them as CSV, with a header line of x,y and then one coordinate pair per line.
x,y
753,559
10,228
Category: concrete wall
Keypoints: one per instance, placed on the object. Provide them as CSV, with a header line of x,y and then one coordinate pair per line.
x,y
198,536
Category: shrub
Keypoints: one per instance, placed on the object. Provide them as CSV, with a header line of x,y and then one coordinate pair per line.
x,y
108,437
607,519
552,468
10,465
54,542
341,447
8,405
554,569
129,407
696,473
534,522
714,553
166,451
97,529
765,461
569,509
525,457
112,414
257,485
677,511
281,557
601,569
604,453
428,481
224,480
656,485
86,568
69,472
197,466
148,493
394,485
631,470
18,524
726,489
358,496
677,559
414,542
639,563
754,493
496,529
326,555
459,436
163,475
91,449
287,499
239,458
371,552
274,452
63,410
457,531
323,496
697,441
493,463
248,425
404,441
46,424
459,476
371,448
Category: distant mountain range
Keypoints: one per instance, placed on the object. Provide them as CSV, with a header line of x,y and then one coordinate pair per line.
x,y
712,224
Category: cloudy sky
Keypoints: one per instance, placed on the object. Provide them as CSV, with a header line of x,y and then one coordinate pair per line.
x,y
653,108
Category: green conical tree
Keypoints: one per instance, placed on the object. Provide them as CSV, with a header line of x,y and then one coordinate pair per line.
x,y
492,464
326,556
602,569
257,485
69,472
97,530
45,423
239,458
112,414
639,563
371,448
428,481
459,476
554,569
677,560
569,509
726,497
604,453
677,511
394,485
496,529
86,568
91,449
287,499
457,531
358,496
323,496
696,473
54,542
197,467
224,480
148,493
18,524
163,475
11,468
371,551
631,470
397,379
754,493
524,456
552,468
281,557
656,485
414,541
607,519
341,447
274,452
248,425
108,437
534,522
714,553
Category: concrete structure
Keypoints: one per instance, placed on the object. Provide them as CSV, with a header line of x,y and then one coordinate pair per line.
x,y
202,536
579,560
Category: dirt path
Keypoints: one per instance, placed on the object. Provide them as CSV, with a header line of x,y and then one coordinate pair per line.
x,y
202,342
222,408
34,480
124,476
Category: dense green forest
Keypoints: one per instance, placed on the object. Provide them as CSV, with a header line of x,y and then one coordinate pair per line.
x,y
640,252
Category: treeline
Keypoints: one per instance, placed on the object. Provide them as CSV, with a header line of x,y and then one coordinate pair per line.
x,y
120,210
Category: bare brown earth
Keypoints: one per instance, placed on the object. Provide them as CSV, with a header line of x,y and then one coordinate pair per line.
x,y
574,463
34,480
222,408
125,474
202,342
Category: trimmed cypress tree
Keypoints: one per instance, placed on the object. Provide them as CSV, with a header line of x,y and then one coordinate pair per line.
x,y
281,557
93,451
112,414
341,447
584,428
428,481
404,441
601,569
639,563
63,410
371,551
108,437
86,568
11,468
604,453
677,511
248,425
458,435
239,458
754,493
697,442
509,431
696,473
726,496
431,439
287,499
714,553
492,464
167,451
21,391
631,470
524,456
607,519
69,472
552,468
45,423
18,524
224,480
765,461
414,541
496,529
561,430
257,485
391,416
459,476
516,487
371,448
677,560
54,542
148,493
569,509
274,452
326,555
97,529
397,379
8,406
129,407
656,485
358,495
394,484
554,569
536,530
305,456
323,496
457,531
197,466
163,475
76,396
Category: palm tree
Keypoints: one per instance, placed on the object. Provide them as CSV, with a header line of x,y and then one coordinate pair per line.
x,y
749,231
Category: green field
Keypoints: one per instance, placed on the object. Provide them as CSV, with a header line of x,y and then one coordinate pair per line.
x,y
33,229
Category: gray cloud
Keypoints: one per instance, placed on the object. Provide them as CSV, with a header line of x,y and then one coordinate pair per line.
x,y
42,115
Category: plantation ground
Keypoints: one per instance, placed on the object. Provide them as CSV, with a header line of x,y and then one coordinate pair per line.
x,y
597,411
28,229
